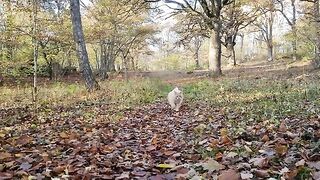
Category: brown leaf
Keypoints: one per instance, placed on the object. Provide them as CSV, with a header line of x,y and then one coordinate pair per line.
x,y
151,148
283,127
261,173
265,138
4,175
219,156
23,140
59,169
154,140
281,149
225,140
63,135
214,143
168,153
5,155
230,174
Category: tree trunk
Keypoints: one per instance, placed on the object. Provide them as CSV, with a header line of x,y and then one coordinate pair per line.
x,y
196,59
215,51
84,63
103,61
294,30
317,23
270,51
231,52
270,37
35,53
241,47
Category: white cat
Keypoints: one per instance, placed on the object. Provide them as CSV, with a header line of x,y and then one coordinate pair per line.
x,y
175,98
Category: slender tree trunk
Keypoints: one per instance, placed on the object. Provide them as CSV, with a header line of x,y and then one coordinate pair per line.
x,y
103,61
231,52
196,59
84,63
35,52
241,47
294,30
317,24
270,37
215,51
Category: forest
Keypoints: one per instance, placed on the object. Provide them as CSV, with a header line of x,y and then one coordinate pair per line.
x,y
160,89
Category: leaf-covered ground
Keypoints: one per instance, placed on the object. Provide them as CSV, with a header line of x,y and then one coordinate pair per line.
x,y
154,142
262,126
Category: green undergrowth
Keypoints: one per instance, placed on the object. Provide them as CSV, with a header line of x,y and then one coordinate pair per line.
x,y
258,99
119,93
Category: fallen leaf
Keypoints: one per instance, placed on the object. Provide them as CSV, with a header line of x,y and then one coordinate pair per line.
x,y
261,173
212,165
214,143
219,156
232,155
246,175
63,135
316,175
225,140
265,138
281,149
259,162
248,149
224,132
284,170
5,155
166,166
230,174
300,163
25,166
315,165
283,127
124,175
4,176
151,148
24,140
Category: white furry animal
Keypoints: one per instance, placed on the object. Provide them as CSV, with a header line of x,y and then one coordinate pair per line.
x,y
175,98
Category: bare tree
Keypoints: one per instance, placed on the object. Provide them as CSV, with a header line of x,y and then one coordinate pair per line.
x,y
291,22
210,13
84,63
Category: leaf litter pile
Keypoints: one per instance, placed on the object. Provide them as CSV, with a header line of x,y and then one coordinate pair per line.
x,y
154,142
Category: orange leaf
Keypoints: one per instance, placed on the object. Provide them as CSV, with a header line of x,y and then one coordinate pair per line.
x,y
225,140
219,156
214,143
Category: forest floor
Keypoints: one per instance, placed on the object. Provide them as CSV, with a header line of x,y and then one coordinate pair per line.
x,y
258,121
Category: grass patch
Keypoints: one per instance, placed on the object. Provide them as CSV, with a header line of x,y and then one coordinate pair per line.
x,y
258,99
140,91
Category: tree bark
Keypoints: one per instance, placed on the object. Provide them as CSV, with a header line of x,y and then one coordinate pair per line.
x,y
84,63
270,37
317,24
294,30
215,52
231,52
